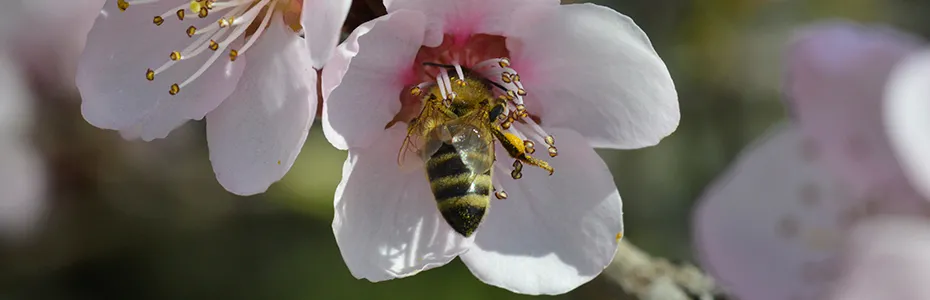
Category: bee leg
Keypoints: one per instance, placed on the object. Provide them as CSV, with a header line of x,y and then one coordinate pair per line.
x,y
437,104
515,148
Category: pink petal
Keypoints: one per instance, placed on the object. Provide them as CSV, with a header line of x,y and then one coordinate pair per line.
x,y
890,259
771,227
907,107
464,18
836,75
374,62
553,233
387,224
591,69
256,134
111,73
322,22
22,173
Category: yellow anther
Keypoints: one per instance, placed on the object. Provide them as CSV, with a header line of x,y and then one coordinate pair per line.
x,y
204,12
504,62
516,174
452,95
521,108
233,54
416,91
505,77
511,95
208,4
501,195
180,14
447,102
553,152
122,4
149,74
550,140
191,31
506,125
175,88
175,55
518,165
223,23
515,77
214,45
460,82
158,20
521,92
530,146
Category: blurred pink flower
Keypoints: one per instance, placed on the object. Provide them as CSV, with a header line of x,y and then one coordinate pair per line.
x,y
144,72
47,36
907,117
774,226
22,173
592,78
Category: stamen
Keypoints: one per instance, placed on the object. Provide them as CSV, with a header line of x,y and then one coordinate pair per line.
x,y
258,32
530,146
442,86
460,73
448,83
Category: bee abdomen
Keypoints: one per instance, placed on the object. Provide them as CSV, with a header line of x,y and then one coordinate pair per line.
x,y
461,194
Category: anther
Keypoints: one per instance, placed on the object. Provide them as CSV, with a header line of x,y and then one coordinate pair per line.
x,y
517,165
180,14
511,95
550,140
553,152
460,82
223,22
516,174
501,195
191,31
158,20
209,4
233,54
447,102
150,74
521,108
204,12
506,124
521,92
122,4
504,62
175,88
530,146
175,55
452,95
515,77
505,77
214,45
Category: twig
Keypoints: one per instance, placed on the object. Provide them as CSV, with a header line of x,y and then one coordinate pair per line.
x,y
650,278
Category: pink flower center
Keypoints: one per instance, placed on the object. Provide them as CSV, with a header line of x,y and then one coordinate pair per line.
x,y
241,18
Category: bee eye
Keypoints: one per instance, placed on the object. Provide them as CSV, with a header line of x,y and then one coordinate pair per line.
x,y
495,113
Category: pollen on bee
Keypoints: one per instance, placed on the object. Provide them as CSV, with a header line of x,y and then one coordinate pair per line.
x,y
233,54
122,4
158,20
175,88
191,31
150,74
416,91
180,14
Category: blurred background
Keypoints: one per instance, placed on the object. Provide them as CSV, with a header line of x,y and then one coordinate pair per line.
x,y
135,220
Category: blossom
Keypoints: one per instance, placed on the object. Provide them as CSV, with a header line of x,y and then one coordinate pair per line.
x,y
149,66
46,36
587,76
777,224
22,175
907,101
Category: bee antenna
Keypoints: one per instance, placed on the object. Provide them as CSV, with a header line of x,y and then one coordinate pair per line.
x,y
432,64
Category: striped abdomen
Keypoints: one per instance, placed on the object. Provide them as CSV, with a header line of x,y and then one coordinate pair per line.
x,y
462,194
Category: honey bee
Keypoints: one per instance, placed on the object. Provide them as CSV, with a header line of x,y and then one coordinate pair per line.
x,y
454,135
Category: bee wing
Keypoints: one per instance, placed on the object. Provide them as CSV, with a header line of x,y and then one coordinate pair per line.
x,y
474,144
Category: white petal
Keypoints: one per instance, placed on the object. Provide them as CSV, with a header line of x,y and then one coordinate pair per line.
x,y
552,233
464,18
771,226
256,134
890,259
367,96
591,69
835,80
111,72
907,108
322,22
387,224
